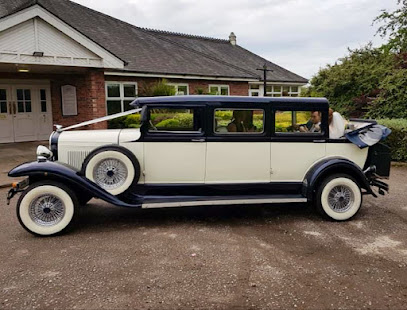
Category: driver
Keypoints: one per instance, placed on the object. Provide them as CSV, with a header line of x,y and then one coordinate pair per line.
x,y
314,125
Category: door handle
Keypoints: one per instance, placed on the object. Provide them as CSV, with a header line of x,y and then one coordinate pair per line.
x,y
319,141
14,108
198,140
10,108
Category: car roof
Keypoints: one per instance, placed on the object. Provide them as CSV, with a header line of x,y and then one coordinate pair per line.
x,y
204,100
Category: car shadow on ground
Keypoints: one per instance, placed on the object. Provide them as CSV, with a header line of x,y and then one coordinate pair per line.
x,y
108,217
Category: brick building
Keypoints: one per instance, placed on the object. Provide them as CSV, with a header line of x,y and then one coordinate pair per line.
x,y
62,63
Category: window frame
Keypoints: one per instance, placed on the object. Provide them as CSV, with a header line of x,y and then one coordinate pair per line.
x,y
122,98
229,134
167,135
176,85
219,86
273,92
295,136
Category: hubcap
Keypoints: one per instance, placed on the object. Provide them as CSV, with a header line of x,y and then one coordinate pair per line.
x,y
47,210
110,173
341,198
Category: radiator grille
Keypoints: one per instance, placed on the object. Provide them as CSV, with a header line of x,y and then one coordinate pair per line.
x,y
76,158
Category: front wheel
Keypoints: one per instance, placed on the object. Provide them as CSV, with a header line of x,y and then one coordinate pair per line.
x,y
46,208
339,197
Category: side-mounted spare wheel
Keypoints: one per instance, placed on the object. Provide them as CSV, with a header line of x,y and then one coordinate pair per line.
x,y
47,208
113,168
339,197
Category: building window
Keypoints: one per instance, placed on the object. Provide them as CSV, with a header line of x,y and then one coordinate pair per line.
x,y
119,95
43,97
219,90
283,91
275,90
181,89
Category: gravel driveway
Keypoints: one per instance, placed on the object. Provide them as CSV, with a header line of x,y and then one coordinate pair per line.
x,y
252,257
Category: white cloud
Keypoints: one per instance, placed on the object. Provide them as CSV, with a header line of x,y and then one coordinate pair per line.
x,y
300,35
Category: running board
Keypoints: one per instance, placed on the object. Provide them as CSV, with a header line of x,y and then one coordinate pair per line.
x,y
218,201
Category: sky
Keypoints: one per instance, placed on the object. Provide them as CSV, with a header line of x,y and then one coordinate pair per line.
x,y
299,35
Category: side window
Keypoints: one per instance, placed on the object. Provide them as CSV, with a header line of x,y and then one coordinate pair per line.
x,y
238,121
174,120
298,122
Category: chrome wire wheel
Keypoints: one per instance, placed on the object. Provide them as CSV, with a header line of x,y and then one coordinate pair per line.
x,y
110,173
47,210
341,198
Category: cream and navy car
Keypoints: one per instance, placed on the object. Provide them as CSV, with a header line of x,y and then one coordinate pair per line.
x,y
205,151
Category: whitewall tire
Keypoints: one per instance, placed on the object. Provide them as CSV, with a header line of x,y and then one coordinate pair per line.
x,y
113,169
46,209
339,197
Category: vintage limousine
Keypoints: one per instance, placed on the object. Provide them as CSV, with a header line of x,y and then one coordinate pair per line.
x,y
205,150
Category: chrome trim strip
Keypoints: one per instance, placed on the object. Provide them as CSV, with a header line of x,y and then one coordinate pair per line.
x,y
220,202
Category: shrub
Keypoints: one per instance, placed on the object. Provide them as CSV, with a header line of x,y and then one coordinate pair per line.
x,y
129,121
169,123
133,119
162,88
397,141
117,123
186,120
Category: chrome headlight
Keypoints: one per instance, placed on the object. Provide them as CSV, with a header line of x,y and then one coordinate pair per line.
x,y
43,152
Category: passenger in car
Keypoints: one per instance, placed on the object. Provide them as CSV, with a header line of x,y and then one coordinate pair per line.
x,y
336,125
314,125
242,122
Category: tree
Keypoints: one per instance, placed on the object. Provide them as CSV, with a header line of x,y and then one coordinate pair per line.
x,y
395,27
370,81
160,88
353,80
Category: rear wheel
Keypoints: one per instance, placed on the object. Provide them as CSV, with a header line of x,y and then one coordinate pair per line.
x,y
339,197
47,208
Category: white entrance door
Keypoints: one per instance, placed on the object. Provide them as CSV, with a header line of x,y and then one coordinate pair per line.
x,y
25,113
44,115
6,115
25,122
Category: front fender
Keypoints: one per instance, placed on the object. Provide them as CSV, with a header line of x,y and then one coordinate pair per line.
x,y
48,170
331,166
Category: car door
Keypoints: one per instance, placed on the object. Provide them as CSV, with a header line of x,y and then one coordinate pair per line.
x,y
174,145
238,148
297,142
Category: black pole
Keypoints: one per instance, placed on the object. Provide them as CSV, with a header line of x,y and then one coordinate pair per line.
x,y
265,80
265,70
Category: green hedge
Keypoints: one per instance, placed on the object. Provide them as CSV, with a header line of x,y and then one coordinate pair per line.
x,y
397,141
129,121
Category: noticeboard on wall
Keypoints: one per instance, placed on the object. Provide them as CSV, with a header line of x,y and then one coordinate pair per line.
x,y
69,100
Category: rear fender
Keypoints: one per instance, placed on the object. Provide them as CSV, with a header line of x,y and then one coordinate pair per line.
x,y
48,170
331,166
